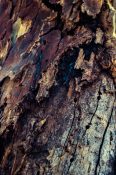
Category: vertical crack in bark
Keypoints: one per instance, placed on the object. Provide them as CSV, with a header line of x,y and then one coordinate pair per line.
x,y
12,10
98,99
73,154
102,142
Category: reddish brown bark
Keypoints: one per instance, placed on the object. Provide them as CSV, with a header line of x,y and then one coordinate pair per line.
x,y
57,87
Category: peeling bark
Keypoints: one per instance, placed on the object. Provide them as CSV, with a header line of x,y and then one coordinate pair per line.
x,y
57,87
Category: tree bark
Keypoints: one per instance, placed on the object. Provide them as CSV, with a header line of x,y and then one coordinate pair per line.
x,y
57,87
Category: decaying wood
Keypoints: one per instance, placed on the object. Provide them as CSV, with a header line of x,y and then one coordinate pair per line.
x,y
57,87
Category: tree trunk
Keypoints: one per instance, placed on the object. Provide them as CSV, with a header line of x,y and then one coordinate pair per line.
x,y
57,87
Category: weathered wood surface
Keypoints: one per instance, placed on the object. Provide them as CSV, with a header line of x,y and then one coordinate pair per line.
x,y
57,87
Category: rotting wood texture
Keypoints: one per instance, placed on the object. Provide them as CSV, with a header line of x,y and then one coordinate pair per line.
x,y
57,87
